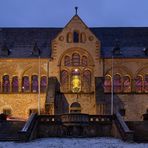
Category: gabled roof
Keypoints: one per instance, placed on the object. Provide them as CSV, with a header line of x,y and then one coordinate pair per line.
x,y
20,41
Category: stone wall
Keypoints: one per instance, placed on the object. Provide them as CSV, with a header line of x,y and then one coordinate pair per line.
x,y
21,103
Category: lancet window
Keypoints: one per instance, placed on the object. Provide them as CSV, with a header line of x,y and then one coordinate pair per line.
x,y
6,84
43,83
117,83
34,83
25,84
126,84
138,84
15,85
107,83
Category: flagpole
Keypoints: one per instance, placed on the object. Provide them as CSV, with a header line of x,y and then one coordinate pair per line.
x,y
112,89
39,101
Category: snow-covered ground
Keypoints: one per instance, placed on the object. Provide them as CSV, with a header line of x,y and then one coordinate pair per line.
x,y
74,143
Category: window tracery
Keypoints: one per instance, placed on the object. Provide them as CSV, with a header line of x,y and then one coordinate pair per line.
x,y
117,83
75,37
76,59
34,83
107,83
126,84
146,83
6,84
25,84
15,85
83,37
65,80
138,84
43,83
69,37
84,61
67,61
86,80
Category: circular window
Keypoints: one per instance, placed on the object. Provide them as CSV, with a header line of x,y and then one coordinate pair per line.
x,y
91,38
61,38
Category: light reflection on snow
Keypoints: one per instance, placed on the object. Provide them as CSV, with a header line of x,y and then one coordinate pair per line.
x,y
74,143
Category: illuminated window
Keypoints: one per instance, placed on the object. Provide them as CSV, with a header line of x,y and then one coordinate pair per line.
x,y
34,83
84,61
67,61
15,84
146,83
25,84
138,84
69,37
75,81
107,84
65,80
75,37
6,84
117,83
86,80
43,83
76,59
126,84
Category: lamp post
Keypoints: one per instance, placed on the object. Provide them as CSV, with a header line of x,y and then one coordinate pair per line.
x,y
112,89
39,99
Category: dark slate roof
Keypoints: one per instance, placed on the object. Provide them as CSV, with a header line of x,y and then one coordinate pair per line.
x,y
20,41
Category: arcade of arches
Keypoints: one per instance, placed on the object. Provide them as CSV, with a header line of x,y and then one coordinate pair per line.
x,y
69,70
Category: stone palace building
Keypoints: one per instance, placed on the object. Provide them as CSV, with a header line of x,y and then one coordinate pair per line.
x,y
70,69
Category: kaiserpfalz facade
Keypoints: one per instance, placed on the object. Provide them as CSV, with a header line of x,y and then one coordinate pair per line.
x,y
71,69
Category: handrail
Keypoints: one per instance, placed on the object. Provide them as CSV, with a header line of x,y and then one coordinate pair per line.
x,y
25,133
125,132
28,123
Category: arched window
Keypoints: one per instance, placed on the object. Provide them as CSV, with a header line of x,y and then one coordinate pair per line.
x,y
67,61
34,83
107,84
75,107
83,37
69,37
84,61
86,81
25,84
146,83
126,84
15,84
65,80
76,59
43,83
6,84
75,37
117,83
138,84
75,81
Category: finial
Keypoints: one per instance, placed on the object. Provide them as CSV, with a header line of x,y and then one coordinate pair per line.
x,y
76,9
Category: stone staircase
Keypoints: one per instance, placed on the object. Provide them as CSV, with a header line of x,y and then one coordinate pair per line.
x,y
9,130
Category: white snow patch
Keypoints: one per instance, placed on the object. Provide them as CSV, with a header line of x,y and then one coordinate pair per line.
x,y
74,143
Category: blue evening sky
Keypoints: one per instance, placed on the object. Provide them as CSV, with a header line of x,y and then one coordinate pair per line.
x,y
56,13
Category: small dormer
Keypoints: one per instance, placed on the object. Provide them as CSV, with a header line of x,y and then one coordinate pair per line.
x,y
5,50
146,51
36,50
116,48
